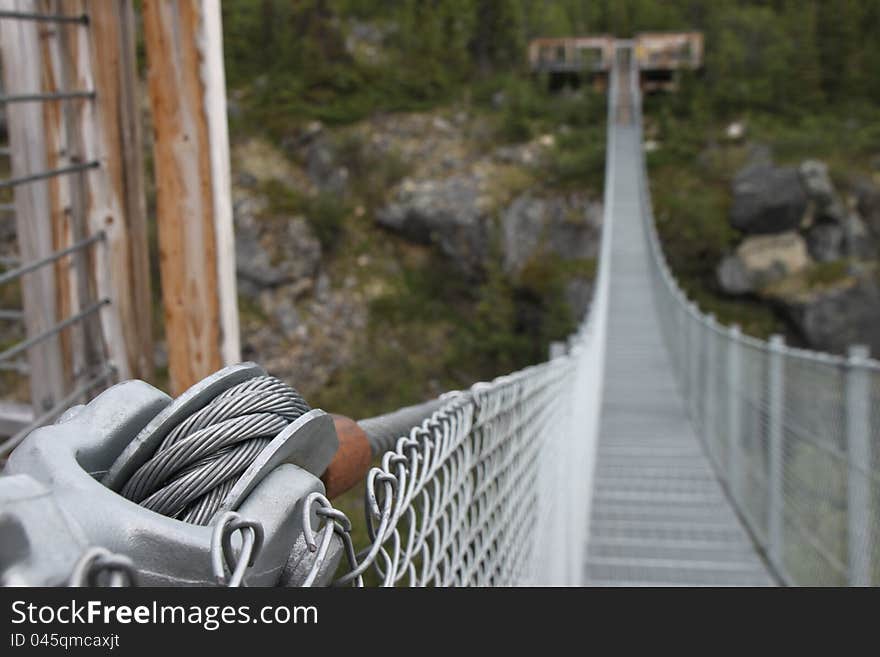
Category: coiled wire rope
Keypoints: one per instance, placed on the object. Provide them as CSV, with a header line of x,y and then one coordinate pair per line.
x,y
200,460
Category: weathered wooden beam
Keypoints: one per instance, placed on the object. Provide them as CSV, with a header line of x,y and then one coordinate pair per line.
x,y
54,58
191,154
110,127
20,47
80,346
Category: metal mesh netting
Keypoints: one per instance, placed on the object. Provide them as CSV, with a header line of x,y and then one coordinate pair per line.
x,y
792,433
494,489
454,502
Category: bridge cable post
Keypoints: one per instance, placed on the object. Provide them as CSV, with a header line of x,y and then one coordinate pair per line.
x,y
682,365
734,410
680,362
710,390
776,397
858,447
557,349
694,357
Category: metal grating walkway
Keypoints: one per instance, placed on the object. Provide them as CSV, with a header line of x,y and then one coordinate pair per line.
x,y
659,516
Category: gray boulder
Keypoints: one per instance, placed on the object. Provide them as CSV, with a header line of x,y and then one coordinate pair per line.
x,y
761,260
850,238
565,228
767,199
826,241
827,203
858,241
733,277
449,213
322,167
867,198
443,212
817,182
833,317
273,251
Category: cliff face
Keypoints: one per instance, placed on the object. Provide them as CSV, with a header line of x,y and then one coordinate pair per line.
x,y
337,231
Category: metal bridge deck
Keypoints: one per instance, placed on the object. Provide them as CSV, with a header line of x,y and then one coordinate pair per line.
x,y
659,516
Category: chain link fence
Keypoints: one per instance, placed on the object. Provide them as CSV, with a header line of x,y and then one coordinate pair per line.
x,y
485,490
494,488
793,435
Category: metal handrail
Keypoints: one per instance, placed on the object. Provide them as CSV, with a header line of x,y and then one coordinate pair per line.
x,y
44,175
49,259
45,18
767,441
54,330
49,96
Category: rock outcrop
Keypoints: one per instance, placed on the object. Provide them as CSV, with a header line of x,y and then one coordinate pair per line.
x,y
273,251
802,231
430,179
449,213
455,214
828,206
566,227
833,316
462,201
768,199
826,241
761,260
323,168
867,199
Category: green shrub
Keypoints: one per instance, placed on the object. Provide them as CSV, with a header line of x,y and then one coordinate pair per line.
x,y
828,273
281,199
325,212
514,127
372,173
579,159
326,215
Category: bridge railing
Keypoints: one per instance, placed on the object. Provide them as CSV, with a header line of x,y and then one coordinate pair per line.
x,y
494,487
794,435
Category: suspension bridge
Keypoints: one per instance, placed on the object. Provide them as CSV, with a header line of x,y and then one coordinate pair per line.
x,y
659,516
656,447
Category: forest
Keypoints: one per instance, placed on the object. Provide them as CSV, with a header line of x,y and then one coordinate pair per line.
x,y
784,56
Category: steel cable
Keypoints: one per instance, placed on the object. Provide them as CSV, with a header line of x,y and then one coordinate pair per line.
x,y
199,461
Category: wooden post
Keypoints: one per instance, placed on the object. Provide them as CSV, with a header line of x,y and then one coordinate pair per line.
x,y
81,345
21,52
191,153
100,56
116,190
55,213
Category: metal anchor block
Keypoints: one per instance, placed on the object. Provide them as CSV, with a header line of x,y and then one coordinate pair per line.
x,y
72,469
